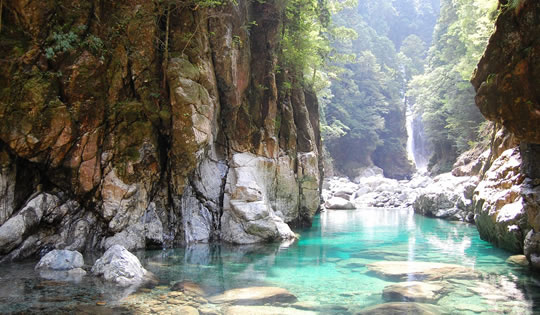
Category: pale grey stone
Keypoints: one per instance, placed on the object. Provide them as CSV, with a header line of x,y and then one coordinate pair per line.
x,y
448,197
60,259
12,232
338,203
120,266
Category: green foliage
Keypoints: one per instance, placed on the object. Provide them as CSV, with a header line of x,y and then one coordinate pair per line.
x,y
62,42
377,47
65,42
443,93
304,44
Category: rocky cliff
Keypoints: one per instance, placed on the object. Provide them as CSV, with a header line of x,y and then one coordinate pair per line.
x,y
507,202
146,123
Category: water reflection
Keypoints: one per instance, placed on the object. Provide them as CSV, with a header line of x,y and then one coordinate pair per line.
x,y
328,266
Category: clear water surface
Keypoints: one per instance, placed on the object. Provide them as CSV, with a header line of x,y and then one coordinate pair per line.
x,y
326,269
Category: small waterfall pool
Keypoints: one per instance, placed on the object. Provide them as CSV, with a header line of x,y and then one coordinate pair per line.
x,y
327,269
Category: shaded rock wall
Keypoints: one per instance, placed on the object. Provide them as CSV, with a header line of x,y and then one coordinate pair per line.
x,y
123,123
506,81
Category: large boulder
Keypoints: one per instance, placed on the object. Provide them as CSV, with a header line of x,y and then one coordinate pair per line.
x,y
65,265
61,260
338,203
498,204
449,197
120,266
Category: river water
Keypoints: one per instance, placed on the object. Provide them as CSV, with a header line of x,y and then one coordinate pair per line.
x,y
326,269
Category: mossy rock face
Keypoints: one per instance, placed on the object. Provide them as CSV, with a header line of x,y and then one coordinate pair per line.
x,y
131,131
507,76
120,130
33,117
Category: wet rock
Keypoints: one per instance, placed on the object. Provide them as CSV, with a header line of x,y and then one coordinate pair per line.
x,y
254,296
189,288
61,260
402,308
498,204
413,291
518,260
265,310
416,270
120,266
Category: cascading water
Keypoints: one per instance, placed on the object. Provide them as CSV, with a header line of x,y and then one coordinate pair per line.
x,y
417,147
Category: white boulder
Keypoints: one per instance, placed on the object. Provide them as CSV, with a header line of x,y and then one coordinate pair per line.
x,y
120,266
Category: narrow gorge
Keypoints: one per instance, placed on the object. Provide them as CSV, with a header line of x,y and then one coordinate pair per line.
x,y
231,157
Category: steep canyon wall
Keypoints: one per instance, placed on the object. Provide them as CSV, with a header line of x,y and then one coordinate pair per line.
x,y
148,124
506,81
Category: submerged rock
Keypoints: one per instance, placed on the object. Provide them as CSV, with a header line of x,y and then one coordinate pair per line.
x,y
402,308
254,296
518,260
120,266
265,310
189,288
413,291
417,270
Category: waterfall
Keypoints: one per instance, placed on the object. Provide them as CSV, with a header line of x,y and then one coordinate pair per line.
x,y
417,146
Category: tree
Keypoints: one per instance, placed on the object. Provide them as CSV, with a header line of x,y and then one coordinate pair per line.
x,y
443,94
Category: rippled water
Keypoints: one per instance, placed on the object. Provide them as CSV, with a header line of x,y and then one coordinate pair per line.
x,y
324,269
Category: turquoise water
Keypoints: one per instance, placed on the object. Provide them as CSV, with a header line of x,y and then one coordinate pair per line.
x,y
326,268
